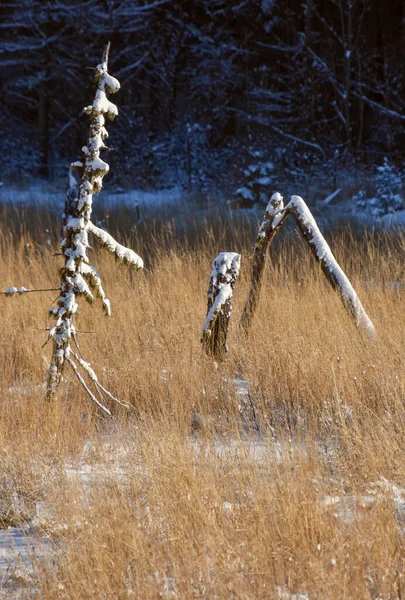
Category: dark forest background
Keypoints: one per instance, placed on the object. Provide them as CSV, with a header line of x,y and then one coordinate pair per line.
x,y
206,84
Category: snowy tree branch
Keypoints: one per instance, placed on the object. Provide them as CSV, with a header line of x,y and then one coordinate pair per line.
x,y
22,290
122,253
330,267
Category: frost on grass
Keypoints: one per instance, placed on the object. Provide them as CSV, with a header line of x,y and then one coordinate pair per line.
x,y
225,271
78,277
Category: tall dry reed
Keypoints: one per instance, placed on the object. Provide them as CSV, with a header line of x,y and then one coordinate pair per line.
x,y
182,497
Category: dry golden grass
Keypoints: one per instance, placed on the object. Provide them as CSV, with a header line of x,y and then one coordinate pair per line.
x,y
181,498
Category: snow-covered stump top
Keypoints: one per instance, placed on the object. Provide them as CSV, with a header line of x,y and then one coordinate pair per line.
x,y
323,254
78,277
273,218
225,271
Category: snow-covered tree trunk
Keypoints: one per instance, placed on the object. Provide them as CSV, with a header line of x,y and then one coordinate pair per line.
x,y
78,278
272,221
330,267
225,271
72,189
274,217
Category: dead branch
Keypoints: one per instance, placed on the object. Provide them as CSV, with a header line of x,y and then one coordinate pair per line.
x,y
329,265
22,290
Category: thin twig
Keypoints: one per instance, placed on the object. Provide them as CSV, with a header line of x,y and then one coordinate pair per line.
x,y
49,328
84,384
106,53
29,291
95,380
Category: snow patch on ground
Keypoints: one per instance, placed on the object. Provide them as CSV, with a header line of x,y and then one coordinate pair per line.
x,y
328,211
394,220
152,199
44,194
38,194
348,507
19,548
281,593
112,460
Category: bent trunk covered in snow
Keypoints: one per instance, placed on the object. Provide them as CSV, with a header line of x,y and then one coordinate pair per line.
x,y
272,221
78,277
329,265
274,217
225,271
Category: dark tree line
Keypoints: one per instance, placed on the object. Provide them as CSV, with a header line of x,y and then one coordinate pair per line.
x,y
206,77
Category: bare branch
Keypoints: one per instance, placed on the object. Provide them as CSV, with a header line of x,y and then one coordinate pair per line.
x,y
86,387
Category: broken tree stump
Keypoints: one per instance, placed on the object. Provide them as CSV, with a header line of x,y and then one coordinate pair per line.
x,y
225,271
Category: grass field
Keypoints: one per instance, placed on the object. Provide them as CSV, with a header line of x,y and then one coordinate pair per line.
x,y
182,496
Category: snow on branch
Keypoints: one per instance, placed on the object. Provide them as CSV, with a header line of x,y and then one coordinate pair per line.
x,y
299,140
274,217
123,254
78,277
225,271
272,221
11,291
330,267
384,110
93,278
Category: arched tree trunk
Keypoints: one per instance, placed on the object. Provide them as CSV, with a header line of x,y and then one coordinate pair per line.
x,y
273,219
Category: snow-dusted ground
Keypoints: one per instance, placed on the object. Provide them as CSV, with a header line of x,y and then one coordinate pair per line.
x,y
21,547
42,194
334,206
152,199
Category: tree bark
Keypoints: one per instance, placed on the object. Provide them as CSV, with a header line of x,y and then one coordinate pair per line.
x,y
225,271
270,225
